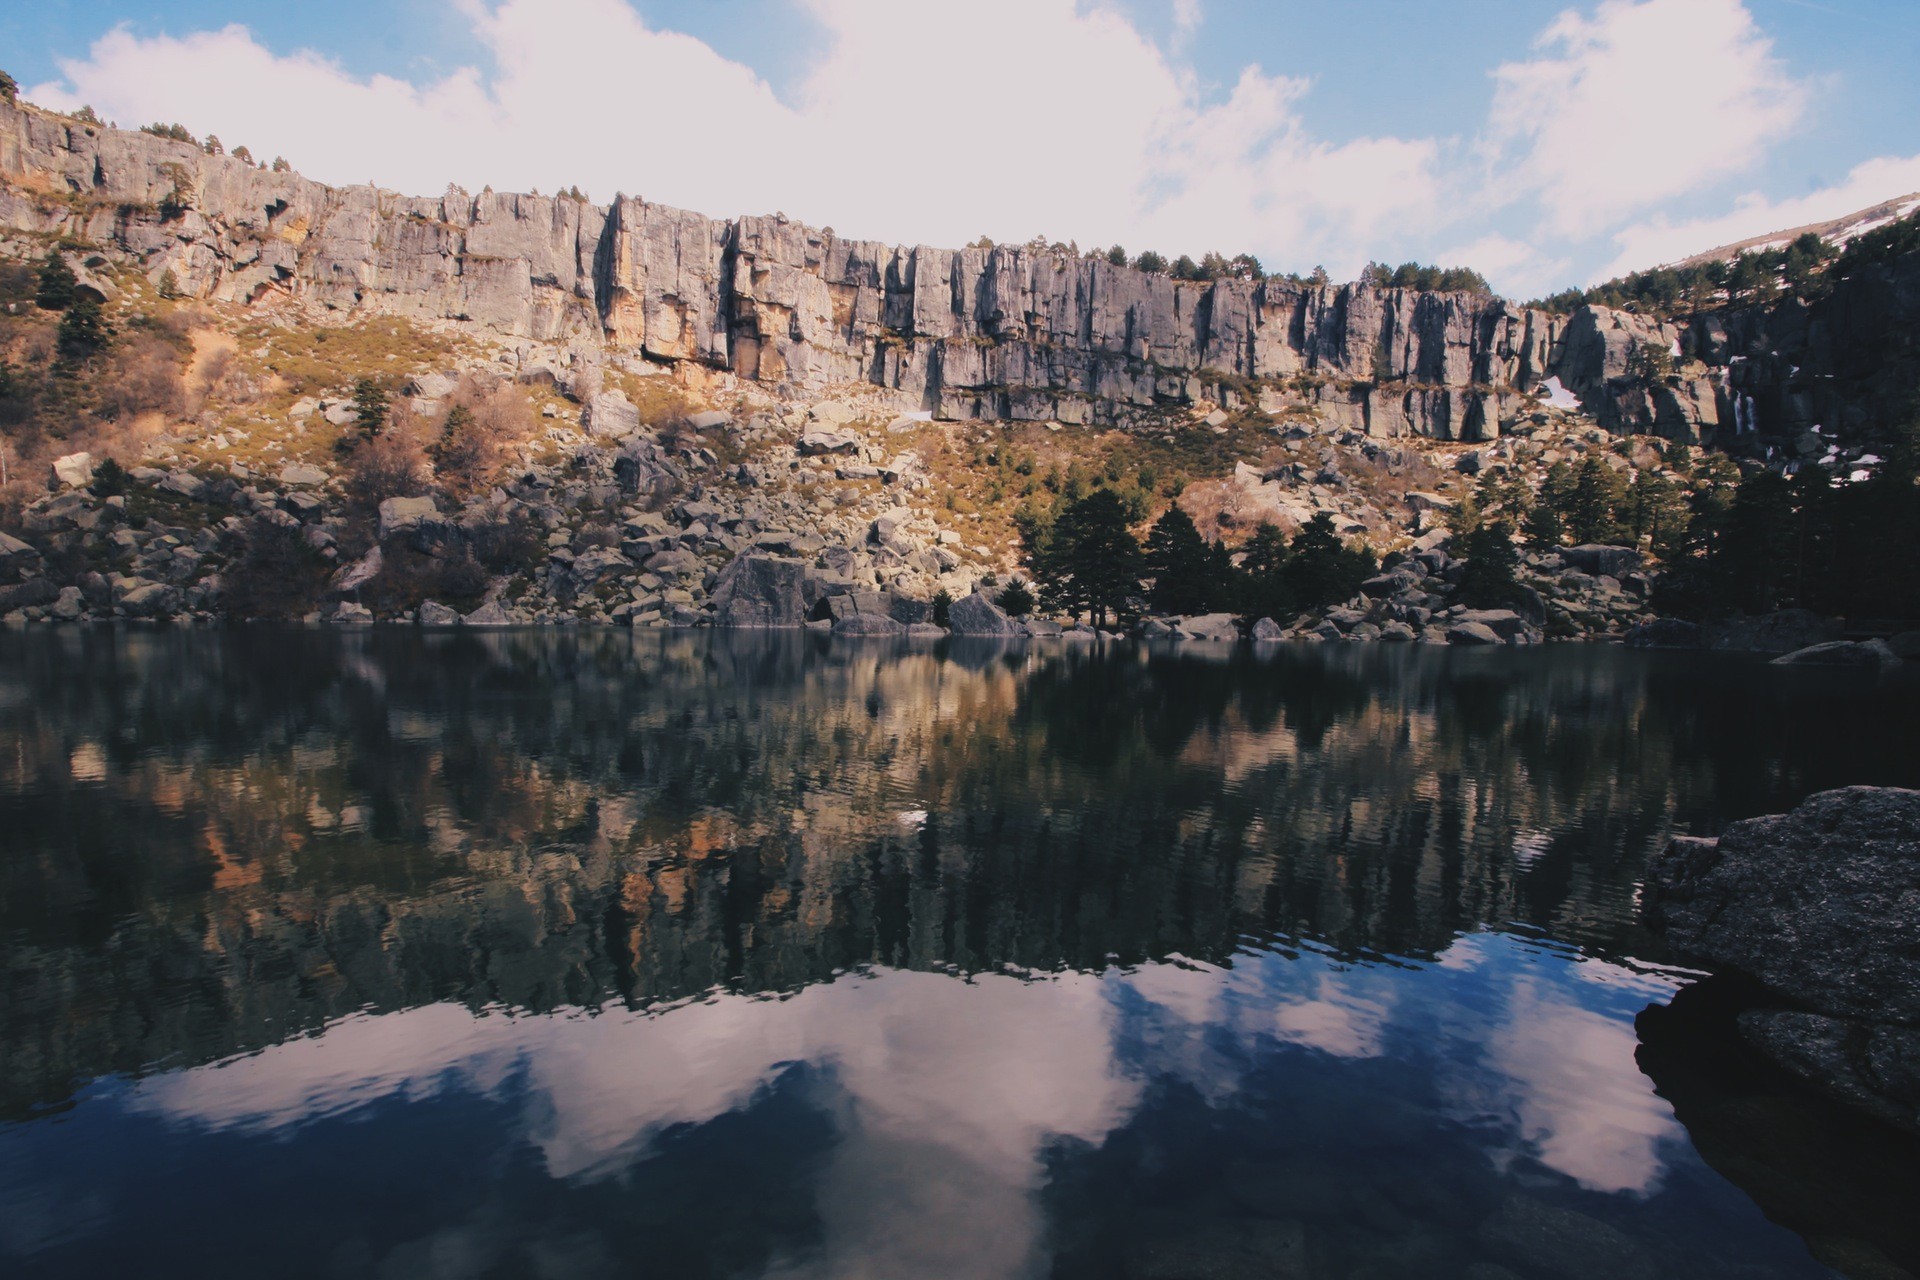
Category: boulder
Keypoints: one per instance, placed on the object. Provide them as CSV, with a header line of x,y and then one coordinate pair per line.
x,y
1841,653
814,443
709,419
71,604
351,613
1472,633
301,476
1046,628
27,595
150,600
1665,633
611,414
1266,629
429,386
1906,646
1504,623
73,471
1818,907
17,558
760,591
1597,559
434,614
402,515
1208,626
868,624
490,614
978,615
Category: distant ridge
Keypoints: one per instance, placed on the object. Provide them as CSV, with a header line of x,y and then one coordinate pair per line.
x,y
1835,231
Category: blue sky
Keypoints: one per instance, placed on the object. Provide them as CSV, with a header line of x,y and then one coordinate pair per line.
x,y
1547,143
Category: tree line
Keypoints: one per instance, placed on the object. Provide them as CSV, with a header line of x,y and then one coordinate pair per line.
x,y
1804,268
1085,559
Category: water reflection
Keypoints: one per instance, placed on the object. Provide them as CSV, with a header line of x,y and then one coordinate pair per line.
x,y
566,954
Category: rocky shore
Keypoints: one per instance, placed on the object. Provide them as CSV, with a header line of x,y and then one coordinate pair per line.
x,y
1821,908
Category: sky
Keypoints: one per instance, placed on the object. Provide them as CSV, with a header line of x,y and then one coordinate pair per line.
x,y
1544,144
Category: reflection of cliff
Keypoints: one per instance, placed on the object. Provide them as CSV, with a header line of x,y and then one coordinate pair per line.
x,y
215,845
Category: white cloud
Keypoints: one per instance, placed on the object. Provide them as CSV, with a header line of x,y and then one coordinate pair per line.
x,y
944,120
935,122
1660,240
1641,102
1516,267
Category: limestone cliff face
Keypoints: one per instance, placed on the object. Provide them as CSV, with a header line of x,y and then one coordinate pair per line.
x,y
1000,332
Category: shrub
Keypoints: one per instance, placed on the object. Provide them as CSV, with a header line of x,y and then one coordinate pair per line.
x,y
391,465
1017,600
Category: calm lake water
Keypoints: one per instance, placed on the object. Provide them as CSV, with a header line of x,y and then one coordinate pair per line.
x,y
589,954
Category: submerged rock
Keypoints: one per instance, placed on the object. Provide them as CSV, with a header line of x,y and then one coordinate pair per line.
x,y
1822,907
1841,653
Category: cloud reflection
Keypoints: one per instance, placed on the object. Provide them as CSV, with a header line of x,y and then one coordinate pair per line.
x,y
947,1095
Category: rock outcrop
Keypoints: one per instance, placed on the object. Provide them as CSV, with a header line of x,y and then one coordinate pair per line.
x,y
1007,332
1822,907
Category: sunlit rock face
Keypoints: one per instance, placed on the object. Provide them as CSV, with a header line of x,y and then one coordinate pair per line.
x,y
1005,332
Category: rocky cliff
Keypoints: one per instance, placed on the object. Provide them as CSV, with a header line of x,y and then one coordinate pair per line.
x,y
980,333
1003,332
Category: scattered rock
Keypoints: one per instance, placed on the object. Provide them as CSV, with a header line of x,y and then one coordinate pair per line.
x,y
611,414
74,471
402,515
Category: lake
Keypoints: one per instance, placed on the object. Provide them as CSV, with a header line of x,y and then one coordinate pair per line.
x,y
584,953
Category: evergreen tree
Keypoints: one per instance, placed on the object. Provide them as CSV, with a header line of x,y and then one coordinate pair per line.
x,y
370,407
9,88
1017,600
1264,589
1089,560
1321,570
1546,522
1593,506
58,284
83,329
1488,581
1190,575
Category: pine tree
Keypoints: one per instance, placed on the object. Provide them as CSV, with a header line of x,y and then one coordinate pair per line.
x,y
1593,505
1089,560
1546,523
1264,589
58,284
1187,571
1488,580
369,407
1321,570
83,329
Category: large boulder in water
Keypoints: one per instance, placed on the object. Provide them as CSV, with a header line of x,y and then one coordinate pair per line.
x,y
1822,907
978,615
761,591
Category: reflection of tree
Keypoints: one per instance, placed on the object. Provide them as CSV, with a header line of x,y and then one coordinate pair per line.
x,y
214,845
